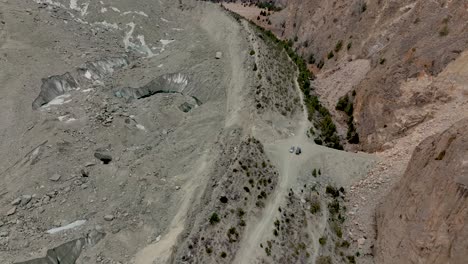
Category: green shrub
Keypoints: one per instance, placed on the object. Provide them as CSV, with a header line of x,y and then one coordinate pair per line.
x,y
334,207
315,206
322,240
444,31
334,192
214,218
363,7
223,254
337,229
311,59
330,55
324,260
342,103
345,244
382,61
314,173
338,46
349,45
252,52
209,250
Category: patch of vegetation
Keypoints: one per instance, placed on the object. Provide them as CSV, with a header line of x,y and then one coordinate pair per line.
x,y
314,206
252,52
337,229
334,207
345,244
223,254
363,7
321,116
444,31
349,45
324,260
351,259
338,46
330,55
322,240
311,59
342,103
268,251
314,173
209,250
232,234
346,105
214,219
334,192
382,61
268,6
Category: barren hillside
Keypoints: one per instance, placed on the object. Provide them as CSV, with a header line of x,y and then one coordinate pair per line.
x,y
423,220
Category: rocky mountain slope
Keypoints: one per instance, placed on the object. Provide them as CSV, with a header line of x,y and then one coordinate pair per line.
x,y
388,70
424,218
390,43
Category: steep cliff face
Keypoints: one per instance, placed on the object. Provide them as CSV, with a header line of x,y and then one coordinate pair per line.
x,y
424,219
401,40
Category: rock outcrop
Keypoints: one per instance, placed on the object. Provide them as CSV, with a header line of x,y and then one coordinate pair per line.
x,y
424,219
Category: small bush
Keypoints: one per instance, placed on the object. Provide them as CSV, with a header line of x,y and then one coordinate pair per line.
x,y
324,260
252,52
338,46
330,55
311,59
351,259
240,212
255,67
334,192
363,7
322,240
314,173
342,103
314,206
349,45
242,223
214,218
382,61
223,254
334,207
320,64
444,31
337,229
209,250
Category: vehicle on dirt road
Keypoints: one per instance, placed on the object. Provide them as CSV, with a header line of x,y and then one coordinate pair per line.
x,y
298,151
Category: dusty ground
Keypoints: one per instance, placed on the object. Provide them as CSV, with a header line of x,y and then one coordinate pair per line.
x,y
155,146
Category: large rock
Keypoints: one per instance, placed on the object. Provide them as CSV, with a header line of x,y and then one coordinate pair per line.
x,y
425,218
54,86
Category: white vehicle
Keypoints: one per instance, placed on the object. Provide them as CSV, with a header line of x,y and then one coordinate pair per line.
x,y
291,150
